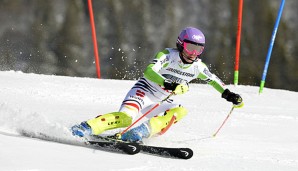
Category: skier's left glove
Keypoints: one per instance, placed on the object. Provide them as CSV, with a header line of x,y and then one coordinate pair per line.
x,y
176,87
236,99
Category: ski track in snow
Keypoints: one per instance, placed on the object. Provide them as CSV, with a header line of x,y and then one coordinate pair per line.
x,y
260,136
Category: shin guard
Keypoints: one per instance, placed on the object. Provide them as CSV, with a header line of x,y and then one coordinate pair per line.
x,y
158,123
109,121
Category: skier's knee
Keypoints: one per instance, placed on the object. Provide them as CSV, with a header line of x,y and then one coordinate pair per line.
x,y
129,110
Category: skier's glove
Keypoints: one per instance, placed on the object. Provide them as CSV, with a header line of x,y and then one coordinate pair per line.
x,y
176,87
236,99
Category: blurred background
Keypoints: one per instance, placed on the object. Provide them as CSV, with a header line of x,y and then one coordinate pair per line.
x,y
54,37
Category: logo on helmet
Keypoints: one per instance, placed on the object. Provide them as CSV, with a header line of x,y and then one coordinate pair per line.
x,y
197,37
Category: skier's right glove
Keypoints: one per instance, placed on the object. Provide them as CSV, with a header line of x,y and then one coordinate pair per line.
x,y
176,88
236,99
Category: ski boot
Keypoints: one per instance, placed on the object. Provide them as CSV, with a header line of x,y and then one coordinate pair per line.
x,y
81,130
136,134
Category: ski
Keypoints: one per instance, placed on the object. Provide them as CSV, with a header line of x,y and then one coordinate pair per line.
x,y
112,144
181,153
105,144
128,148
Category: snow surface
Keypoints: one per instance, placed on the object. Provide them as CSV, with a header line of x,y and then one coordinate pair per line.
x,y
260,136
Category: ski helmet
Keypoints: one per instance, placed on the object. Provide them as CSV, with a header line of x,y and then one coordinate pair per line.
x,y
191,35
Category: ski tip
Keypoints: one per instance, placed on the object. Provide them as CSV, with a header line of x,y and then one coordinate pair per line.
x,y
130,148
185,153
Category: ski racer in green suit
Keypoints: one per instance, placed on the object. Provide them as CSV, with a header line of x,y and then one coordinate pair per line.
x,y
168,74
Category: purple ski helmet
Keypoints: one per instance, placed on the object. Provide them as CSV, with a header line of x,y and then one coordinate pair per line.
x,y
190,35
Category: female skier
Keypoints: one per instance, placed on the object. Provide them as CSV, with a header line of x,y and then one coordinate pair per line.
x,y
168,74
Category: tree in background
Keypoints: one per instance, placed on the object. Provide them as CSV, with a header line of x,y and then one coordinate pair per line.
x,y
53,37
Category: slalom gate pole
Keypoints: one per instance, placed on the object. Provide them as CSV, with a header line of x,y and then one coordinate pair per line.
x,y
145,114
96,56
224,121
262,84
237,56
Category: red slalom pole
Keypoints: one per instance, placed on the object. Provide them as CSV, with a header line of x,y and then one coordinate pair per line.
x,y
236,72
96,56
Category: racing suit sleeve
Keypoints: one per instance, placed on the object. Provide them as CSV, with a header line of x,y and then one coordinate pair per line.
x,y
211,79
151,71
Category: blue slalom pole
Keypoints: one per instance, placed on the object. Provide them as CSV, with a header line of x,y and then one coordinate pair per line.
x,y
271,46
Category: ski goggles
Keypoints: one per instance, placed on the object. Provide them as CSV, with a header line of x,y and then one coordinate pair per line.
x,y
193,49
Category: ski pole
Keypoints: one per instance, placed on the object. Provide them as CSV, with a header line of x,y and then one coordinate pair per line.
x,y
224,121
145,114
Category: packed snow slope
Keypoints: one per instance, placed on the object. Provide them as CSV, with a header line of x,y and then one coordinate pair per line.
x,y
260,136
